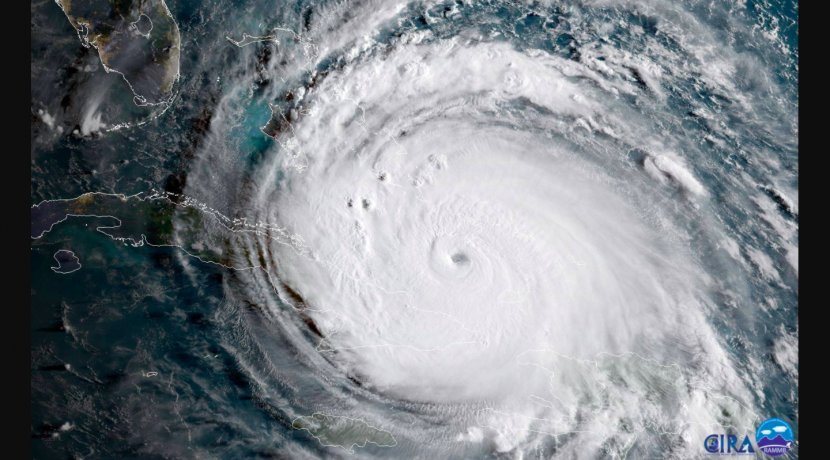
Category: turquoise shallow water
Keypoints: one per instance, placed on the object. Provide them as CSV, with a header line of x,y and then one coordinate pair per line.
x,y
153,352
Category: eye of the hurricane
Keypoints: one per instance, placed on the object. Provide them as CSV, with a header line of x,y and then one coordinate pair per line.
x,y
451,257
459,258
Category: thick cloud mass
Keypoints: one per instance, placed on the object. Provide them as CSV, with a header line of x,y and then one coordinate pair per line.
x,y
546,233
457,247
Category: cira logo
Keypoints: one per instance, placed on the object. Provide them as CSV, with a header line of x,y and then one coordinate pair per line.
x,y
774,437
727,444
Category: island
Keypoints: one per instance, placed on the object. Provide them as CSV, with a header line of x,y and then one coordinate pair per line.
x,y
67,261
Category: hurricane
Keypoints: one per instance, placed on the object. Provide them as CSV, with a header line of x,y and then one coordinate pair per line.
x,y
478,229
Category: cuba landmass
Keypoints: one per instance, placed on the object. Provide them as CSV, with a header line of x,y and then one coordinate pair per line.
x,y
344,432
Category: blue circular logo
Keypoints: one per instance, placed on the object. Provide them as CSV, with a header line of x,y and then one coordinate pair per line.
x,y
774,437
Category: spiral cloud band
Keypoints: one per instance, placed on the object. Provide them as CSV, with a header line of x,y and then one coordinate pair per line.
x,y
455,257
444,243
499,248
